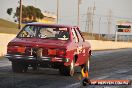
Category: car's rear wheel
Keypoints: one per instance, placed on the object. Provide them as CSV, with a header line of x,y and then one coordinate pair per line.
x,y
86,66
19,67
68,70
71,69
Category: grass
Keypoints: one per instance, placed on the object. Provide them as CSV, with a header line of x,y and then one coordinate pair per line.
x,y
8,24
8,30
8,27
1,57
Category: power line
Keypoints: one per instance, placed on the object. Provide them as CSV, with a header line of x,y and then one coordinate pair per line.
x,y
114,16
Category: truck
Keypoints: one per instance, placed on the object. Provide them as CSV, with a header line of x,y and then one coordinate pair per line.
x,y
49,46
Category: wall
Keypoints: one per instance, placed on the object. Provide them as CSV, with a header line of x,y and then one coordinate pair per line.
x,y
102,45
4,39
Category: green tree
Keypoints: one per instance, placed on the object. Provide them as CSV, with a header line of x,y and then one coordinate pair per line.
x,y
39,14
9,11
29,12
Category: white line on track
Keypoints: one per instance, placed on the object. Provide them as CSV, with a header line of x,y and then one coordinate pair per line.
x,y
73,85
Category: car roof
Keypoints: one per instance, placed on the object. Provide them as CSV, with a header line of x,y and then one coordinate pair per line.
x,y
50,25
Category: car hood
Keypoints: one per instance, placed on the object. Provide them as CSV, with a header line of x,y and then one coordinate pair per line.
x,y
35,42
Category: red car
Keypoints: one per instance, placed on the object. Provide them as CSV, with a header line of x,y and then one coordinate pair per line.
x,y
50,46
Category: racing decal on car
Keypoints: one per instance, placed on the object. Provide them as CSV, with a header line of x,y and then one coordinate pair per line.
x,y
83,51
64,38
79,49
63,29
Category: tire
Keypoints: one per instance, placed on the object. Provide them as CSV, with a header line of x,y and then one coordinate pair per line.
x,y
19,67
86,66
86,82
35,67
68,70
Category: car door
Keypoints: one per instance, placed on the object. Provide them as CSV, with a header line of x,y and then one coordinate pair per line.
x,y
76,43
81,48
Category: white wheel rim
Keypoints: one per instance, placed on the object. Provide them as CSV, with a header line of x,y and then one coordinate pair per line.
x,y
88,64
72,68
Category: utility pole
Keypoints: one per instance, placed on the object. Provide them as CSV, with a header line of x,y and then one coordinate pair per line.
x,y
109,22
88,21
92,17
88,27
78,12
99,27
57,11
20,15
116,34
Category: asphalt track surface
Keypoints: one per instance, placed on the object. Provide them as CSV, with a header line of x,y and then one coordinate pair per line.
x,y
111,64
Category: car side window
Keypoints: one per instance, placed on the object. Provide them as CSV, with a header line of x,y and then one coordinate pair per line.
x,y
75,35
28,31
79,35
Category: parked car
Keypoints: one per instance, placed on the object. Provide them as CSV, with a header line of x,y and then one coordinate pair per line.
x,y
50,46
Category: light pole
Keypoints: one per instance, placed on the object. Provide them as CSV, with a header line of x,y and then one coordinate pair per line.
x,y
109,23
92,17
57,11
20,15
99,27
116,34
78,12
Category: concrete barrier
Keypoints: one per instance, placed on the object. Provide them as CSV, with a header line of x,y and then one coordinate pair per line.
x,y
103,45
4,39
96,44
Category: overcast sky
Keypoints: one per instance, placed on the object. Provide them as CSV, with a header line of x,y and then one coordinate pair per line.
x,y
121,9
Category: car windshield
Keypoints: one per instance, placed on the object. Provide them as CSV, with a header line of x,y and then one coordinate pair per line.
x,y
44,32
